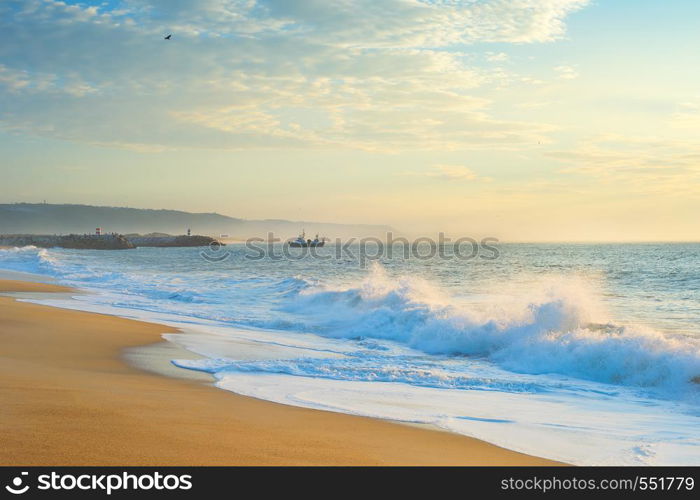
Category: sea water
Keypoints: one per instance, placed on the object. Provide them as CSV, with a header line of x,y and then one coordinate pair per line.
x,y
584,353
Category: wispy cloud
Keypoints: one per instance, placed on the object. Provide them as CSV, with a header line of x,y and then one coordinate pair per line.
x,y
639,164
272,73
565,72
687,116
496,56
449,172
453,172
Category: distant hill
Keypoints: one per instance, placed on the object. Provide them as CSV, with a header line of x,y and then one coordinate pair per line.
x,y
40,218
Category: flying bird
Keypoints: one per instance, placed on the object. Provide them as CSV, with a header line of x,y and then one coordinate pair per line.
x,y
168,37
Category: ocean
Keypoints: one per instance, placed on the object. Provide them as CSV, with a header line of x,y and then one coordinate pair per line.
x,y
584,353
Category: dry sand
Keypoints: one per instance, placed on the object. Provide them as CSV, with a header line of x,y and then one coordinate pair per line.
x,y
67,397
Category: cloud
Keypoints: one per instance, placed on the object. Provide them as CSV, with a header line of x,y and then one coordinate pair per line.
x,y
366,23
565,72
496,56
687,116
450,172
535,104
453,172
13,80
383,76
638,164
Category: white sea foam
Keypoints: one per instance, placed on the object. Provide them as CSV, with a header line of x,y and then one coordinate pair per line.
x,y
557,330
582,429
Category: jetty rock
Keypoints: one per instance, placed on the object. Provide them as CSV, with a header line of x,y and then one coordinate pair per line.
x,y
79,241
166,240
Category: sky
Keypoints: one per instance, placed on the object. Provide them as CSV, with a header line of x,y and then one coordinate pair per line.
x,y
525,120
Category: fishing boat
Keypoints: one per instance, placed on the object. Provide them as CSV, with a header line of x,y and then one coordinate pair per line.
x,y
302,242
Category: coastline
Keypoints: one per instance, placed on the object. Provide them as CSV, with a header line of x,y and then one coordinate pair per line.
x,y
73,399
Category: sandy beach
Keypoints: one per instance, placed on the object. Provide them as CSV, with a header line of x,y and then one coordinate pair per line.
x,y
70,398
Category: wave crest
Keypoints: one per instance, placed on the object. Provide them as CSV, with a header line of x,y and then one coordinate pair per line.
x,y
557,330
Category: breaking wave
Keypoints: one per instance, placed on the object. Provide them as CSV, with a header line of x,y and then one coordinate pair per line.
x,y
559,329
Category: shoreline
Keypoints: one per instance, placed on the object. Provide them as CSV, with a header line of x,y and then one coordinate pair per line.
x,y
77,395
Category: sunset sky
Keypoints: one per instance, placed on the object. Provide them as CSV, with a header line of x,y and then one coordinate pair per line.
x,y
520,119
